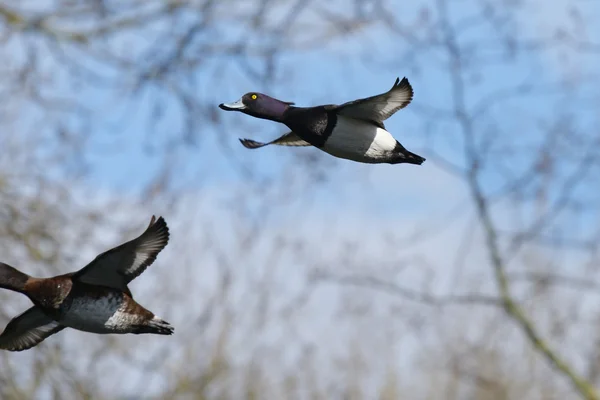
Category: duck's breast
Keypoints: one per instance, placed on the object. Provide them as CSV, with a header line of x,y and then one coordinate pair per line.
x,y
359,140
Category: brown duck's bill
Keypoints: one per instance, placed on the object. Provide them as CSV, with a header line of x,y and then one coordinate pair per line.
x,y
238,105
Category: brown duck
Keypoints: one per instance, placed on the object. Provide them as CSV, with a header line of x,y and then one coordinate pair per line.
x,y
94,299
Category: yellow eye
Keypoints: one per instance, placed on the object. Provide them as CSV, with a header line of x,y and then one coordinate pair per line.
x,y
254,97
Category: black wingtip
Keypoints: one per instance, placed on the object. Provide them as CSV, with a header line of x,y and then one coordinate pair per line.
x,y
154,221
404,84
251,144
160,226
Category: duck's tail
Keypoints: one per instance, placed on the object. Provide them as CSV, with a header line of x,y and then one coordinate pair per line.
x,y
157,326
405,156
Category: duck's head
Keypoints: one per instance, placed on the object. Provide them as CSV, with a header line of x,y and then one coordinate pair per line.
x,y
258,105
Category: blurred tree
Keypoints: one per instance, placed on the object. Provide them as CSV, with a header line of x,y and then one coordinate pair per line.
x,y
506,99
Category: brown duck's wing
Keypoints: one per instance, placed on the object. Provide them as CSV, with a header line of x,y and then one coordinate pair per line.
x,y
381,107
289,139
117,267
28,329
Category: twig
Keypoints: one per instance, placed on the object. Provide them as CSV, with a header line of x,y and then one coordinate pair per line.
x,y
391,288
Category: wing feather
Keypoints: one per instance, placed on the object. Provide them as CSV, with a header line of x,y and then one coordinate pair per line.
x,y
380,107
117,267
289,139
28,329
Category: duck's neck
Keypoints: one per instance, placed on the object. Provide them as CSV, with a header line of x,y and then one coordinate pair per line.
x,y
12,279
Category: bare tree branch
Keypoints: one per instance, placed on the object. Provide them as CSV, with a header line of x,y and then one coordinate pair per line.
x,y
391,288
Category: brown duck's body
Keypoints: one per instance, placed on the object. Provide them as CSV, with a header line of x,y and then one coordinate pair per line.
x,y
89,308
95,299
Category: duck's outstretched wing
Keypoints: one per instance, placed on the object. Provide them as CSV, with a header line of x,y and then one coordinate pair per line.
x,y
28,329
117,267
289,139
381,107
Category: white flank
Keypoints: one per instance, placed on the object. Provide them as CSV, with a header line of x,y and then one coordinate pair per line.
x,y
358,140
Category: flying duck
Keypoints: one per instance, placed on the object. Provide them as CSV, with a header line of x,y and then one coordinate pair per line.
x,y
353,130
94,299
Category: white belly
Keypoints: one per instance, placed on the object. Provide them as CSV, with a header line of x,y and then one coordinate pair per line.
x,y
360,141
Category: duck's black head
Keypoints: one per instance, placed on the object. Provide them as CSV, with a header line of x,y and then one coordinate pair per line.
x,y
258,105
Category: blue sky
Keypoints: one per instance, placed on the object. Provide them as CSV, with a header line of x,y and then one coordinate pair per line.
x,y
372,217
